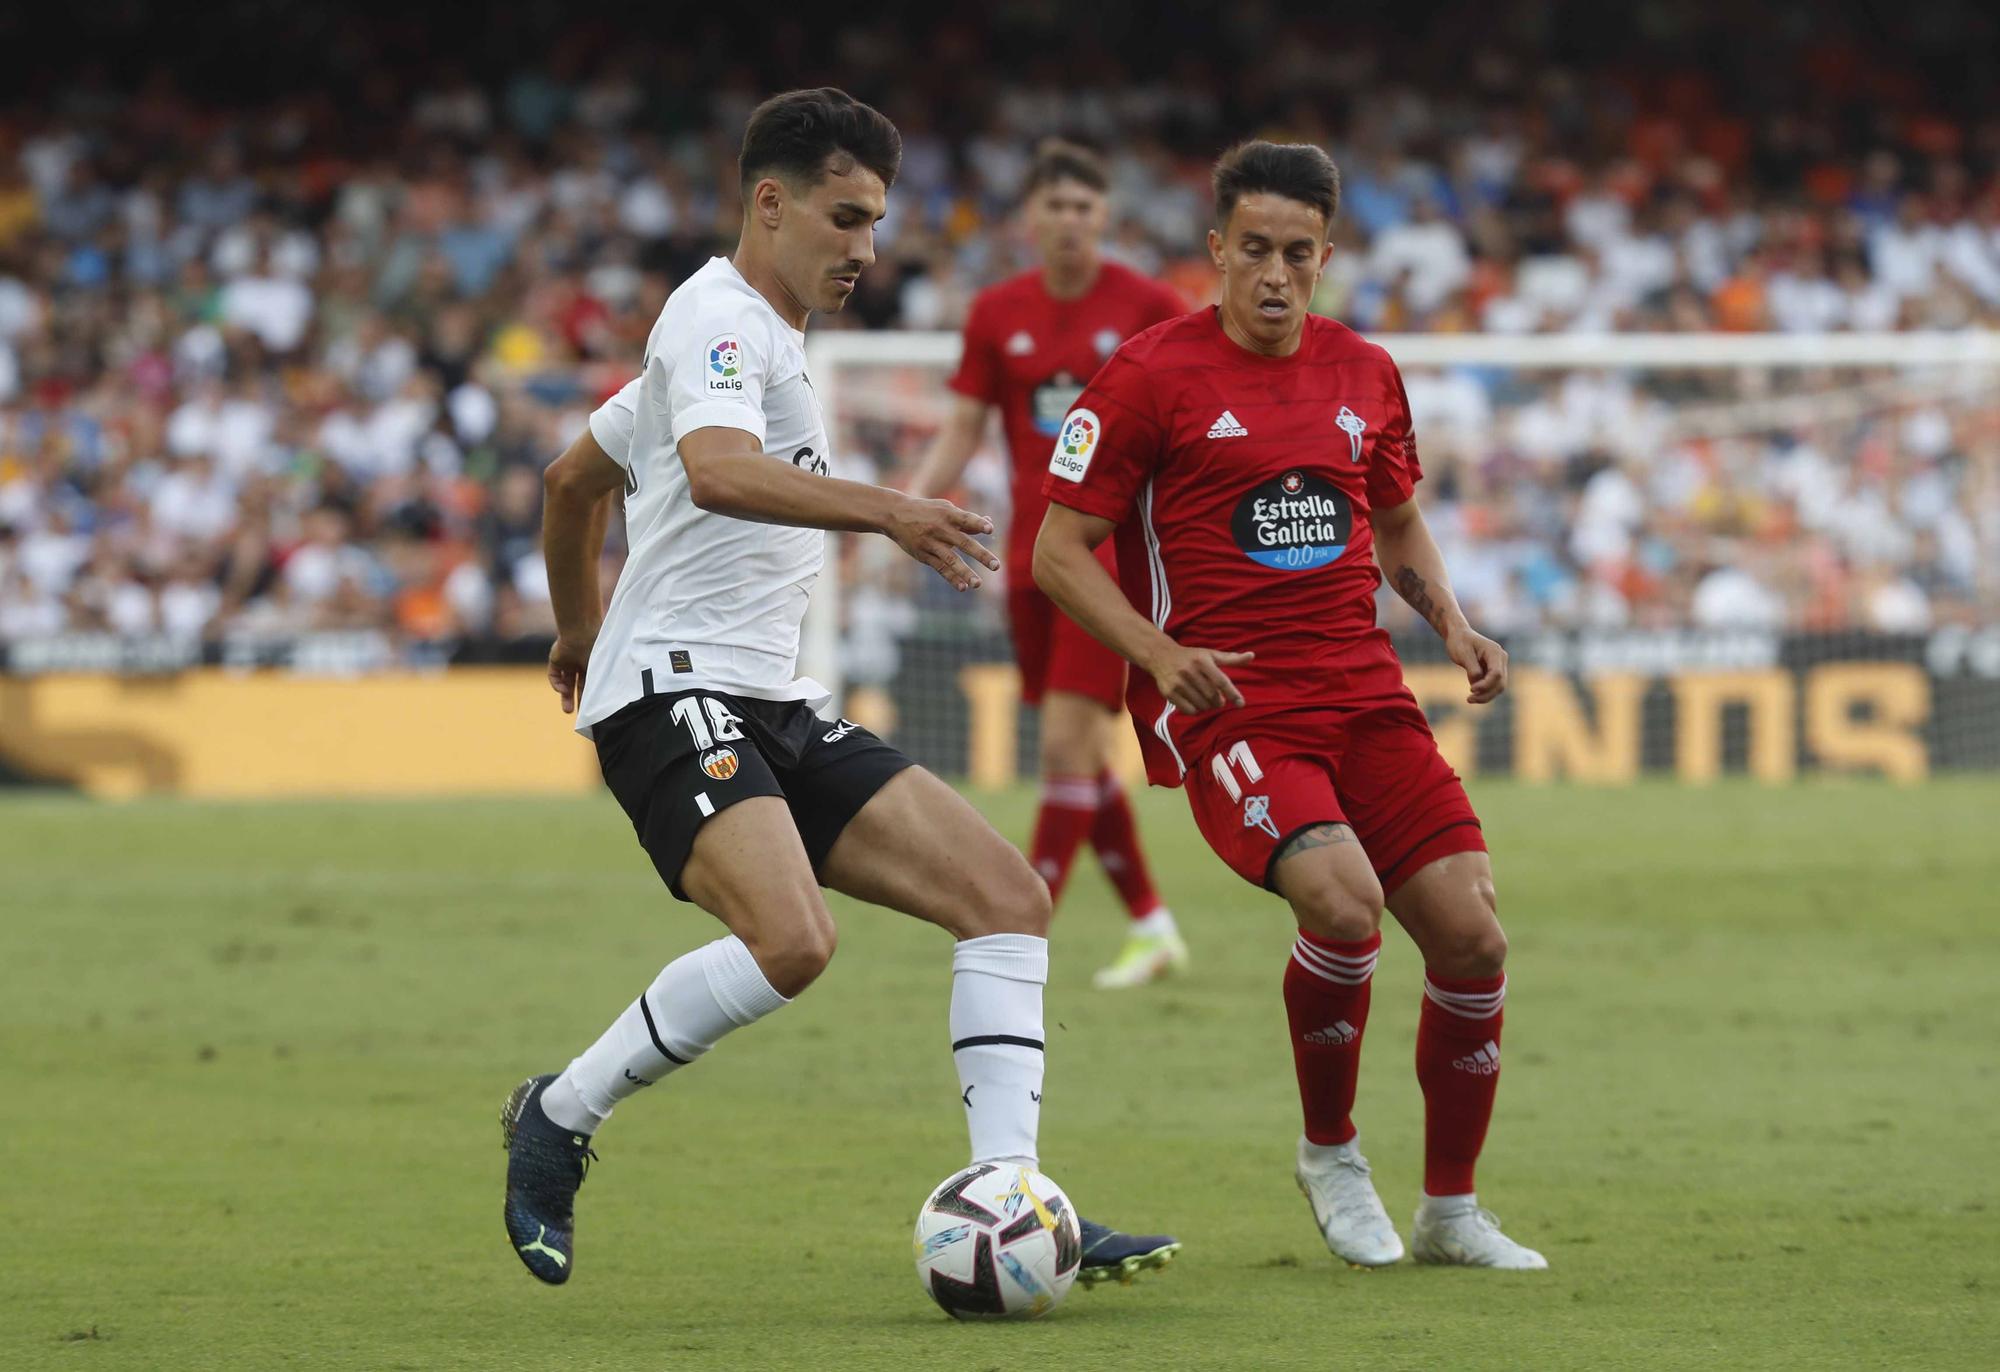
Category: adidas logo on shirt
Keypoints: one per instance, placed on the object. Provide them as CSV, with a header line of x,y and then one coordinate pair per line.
x,y
1482,1062
1227,427
1338,1033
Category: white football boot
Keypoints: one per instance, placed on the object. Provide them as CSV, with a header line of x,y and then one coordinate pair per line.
x,y
1335,1180
1454,1231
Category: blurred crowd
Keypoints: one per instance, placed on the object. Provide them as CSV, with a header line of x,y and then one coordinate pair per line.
x,y
1797,500
290,357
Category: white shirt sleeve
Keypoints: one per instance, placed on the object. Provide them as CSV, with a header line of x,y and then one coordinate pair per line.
x,y
720,375
612,422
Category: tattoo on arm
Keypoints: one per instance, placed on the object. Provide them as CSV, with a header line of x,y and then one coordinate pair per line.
x,y
1416,591
1318,836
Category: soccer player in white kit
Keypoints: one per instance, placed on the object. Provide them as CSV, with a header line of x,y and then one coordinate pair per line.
x,y
746,799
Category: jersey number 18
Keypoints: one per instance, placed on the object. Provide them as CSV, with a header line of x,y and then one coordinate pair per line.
x,y
721,724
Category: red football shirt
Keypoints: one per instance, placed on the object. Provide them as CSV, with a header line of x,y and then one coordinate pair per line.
x,y
1030,354
1241,486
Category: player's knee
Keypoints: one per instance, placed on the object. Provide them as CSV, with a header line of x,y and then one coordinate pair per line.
x,y
1068,752
1475,953
792,958
1016,902
1478,949
1343,911
1061,757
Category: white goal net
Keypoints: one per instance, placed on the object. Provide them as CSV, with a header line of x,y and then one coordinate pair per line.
x,y
1708,554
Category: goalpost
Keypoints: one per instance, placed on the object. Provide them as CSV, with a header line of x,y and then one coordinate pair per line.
x,y
1707,553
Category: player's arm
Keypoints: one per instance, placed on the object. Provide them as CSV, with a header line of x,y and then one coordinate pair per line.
x,y
578,489
957,440
975,387
729,474
1414,565
1067,570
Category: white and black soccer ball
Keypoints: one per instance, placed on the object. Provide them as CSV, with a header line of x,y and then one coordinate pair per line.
x,y
997,1241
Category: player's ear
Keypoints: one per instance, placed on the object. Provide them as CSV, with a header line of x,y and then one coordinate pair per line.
x,y
767,201
1326,254
1215,248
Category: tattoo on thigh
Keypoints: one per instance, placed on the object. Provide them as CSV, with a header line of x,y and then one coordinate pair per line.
x,y
1318,836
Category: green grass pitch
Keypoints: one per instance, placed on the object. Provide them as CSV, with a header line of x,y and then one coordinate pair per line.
x,y
253,1057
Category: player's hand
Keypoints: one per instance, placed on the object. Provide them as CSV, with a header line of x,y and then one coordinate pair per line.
x,y
1485,664
567,661
940,535
1194,679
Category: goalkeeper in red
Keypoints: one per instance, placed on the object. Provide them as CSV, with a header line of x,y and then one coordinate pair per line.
x,y
1256,466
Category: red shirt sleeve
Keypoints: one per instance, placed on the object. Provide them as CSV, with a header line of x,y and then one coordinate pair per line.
x,y
978,376
1109,444
1394,473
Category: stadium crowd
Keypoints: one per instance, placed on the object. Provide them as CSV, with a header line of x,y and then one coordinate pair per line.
x,y
292,362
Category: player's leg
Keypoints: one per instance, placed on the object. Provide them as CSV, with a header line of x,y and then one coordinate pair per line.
x,y
1069,793
919,847
1449,908
712,817
1425,837
1083,690
748,868
696,773
1080,798
1274,818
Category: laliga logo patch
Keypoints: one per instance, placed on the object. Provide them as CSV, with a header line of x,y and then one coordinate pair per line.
x,y
725,364
1075,444
1293,523
719,763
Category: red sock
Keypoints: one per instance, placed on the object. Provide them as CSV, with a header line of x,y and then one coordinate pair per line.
x,y
1115,836
1069,808
1458,1066
1326,1000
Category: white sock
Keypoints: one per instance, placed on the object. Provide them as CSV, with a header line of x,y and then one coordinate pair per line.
x,y
1156,925
698,998
1331,1152
996,1042
1444,1207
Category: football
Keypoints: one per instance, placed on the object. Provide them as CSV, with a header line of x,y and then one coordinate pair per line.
x,y
997,1242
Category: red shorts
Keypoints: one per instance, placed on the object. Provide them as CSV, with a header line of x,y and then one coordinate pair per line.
x,y
1376,768
1057,655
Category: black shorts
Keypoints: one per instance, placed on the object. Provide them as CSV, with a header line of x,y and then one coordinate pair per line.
x,y
675,760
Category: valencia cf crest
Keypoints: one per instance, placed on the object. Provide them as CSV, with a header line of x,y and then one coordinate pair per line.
x,y
1293,483
719,763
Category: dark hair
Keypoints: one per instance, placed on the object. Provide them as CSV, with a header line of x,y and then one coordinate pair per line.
x,y
791,136
1058,159
1297,171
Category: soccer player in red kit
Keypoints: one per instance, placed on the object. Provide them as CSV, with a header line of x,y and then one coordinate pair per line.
x,y
1256,463
1030,343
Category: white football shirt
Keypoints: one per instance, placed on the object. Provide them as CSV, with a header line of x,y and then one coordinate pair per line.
x,y
707,601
